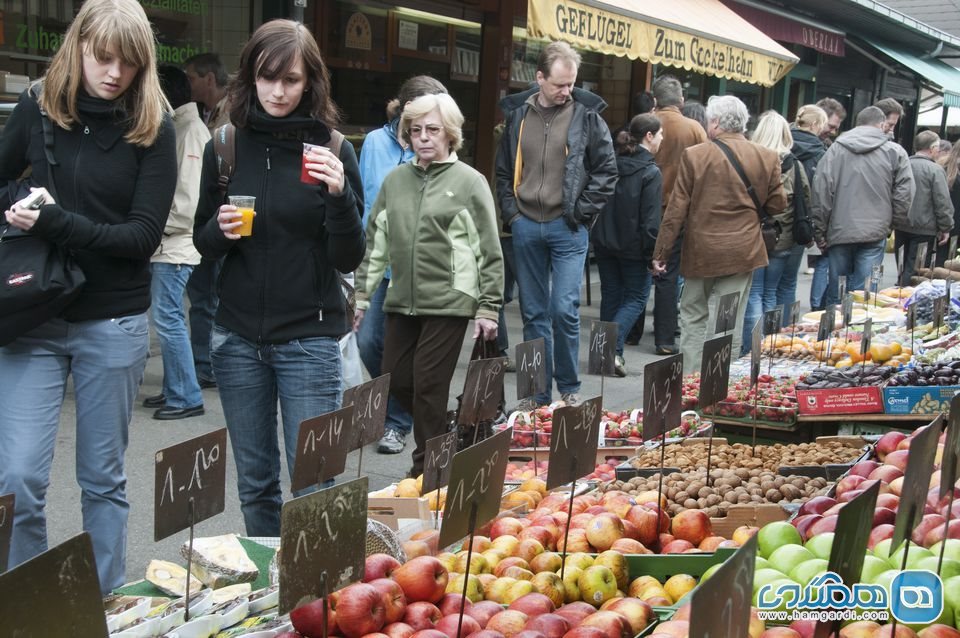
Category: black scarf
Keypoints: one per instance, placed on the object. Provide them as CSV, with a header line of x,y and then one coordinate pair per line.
x,y
292,130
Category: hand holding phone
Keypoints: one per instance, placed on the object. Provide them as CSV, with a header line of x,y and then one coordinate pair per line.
x,y
34,200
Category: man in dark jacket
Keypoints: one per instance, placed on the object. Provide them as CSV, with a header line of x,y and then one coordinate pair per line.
x,y
931,214
555,171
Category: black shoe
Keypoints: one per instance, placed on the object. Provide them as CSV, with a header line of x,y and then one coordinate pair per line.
x,y
206,383
157,401
166,413
632,341
667,350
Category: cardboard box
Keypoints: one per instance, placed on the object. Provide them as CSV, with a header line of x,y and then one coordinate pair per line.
x,y
389,510
931,399
864,400
753,515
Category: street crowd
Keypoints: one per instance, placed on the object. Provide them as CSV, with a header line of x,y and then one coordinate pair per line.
x,y
140,169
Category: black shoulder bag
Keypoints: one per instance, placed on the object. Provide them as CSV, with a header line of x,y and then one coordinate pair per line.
x,y
38,278
770,228
802,222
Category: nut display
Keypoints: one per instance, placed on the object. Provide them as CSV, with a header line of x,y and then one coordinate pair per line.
x,y
739,455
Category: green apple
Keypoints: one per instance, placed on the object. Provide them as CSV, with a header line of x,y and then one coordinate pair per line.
x,y
883,549
872,566
760,563
578,559
571,592
763,576
597,585
820,545
952,550
784,559
810,569
949,569
951,595
776,534
771,593
915,554
710,570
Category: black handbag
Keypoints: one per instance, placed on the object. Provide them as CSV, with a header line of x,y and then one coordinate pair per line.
x,y
802,222
38,278
770,228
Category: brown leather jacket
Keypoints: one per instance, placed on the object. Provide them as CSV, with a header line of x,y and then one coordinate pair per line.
x,y
679,134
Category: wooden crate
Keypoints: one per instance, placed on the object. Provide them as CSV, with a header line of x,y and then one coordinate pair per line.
x,y
754,515
390,509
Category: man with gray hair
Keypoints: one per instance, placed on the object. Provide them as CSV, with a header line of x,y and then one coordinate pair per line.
x,y
555,171
863,182
931,214
713,209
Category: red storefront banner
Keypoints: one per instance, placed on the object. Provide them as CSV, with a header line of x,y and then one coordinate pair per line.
x,y
787,30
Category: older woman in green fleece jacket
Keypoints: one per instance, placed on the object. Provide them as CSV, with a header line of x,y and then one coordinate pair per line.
x,y
434,225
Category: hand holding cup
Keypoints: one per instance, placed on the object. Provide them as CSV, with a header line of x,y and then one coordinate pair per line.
x,y
321,166
236,218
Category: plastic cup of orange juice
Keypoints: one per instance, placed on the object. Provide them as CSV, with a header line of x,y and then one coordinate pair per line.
x,y
245,206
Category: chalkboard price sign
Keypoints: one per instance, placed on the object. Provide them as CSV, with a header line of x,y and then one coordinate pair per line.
x,y
531,368
322,446
727,312
190,472
841,286
438,458
482,391
55,594
867,338
603,348
573,443
916,478
951,450
476,481
846,310
369,400
720,606
755,343
794,313
715,370
7,502
772,321
662,395
323,535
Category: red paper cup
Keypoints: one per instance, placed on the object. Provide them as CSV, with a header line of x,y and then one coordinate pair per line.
x,y
305,176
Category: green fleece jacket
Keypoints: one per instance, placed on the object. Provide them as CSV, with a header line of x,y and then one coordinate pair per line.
x,y
437,229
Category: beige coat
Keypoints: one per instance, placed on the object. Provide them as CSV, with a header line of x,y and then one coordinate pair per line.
x,y
710,205
679,134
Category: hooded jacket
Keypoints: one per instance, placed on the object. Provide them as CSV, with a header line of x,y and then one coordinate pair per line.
x,y
932,210
281,283
381,153
863,180
629,223
590,169
437,229
809,149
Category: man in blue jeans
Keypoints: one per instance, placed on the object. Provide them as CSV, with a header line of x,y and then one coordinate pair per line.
x,y
862,182
555,171
176,258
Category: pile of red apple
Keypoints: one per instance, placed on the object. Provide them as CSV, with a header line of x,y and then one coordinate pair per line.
x,y
412,601
819,514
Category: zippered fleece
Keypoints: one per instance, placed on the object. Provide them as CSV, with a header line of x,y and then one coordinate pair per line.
x,y
437,229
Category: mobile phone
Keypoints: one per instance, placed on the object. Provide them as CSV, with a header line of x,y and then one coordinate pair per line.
x,y
34,200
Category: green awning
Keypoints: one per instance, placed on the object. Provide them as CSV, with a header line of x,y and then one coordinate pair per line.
x,y
935,71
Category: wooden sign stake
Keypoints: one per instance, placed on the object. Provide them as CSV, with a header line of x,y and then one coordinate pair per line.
x,y
186,604
326,603
946,525
903,563
436,511
663,462
363,428
536,437
566,529
466,575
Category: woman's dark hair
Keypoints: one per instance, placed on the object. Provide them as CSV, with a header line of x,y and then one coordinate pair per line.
x,y
411,89
642,124
643,102
175,85
271,52
624,143
695,111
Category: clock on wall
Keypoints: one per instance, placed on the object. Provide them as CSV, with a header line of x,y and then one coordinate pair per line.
x,y
358,34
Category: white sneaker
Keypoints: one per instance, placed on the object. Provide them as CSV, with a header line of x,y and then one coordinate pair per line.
x,y
620,366
392,442
570,398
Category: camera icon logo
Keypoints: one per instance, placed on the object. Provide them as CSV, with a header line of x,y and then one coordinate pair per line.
x,y
916,596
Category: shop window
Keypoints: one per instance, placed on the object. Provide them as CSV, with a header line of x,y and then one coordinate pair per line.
x,y
358,37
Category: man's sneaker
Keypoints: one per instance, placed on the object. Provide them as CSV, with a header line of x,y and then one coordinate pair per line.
x,y
570,398
620,366
509,366
392,442
525,405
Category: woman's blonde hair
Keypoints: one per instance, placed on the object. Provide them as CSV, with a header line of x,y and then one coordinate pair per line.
x,y
811,118
773,132
952,165
102,26
450,117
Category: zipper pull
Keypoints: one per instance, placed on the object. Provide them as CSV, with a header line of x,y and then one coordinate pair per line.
x,y
86,130
320,315
268,158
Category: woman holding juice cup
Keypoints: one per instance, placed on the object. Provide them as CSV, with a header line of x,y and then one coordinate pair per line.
x,y
434,225
282,311
107,200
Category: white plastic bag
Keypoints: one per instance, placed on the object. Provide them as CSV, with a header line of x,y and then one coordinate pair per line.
x,y
350,357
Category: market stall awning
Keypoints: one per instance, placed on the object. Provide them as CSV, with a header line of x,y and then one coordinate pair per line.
x,y
937,72
697,35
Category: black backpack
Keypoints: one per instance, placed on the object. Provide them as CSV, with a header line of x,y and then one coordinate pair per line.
x,y
802,222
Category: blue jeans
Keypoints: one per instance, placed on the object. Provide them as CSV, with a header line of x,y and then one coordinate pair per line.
x,y
821,279
763,294
202,292
855,261
370,344
549,259
180,387
509,283
787,288
305,376
624,289
106,358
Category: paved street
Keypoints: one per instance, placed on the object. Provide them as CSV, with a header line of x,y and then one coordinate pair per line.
x,y
147,436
